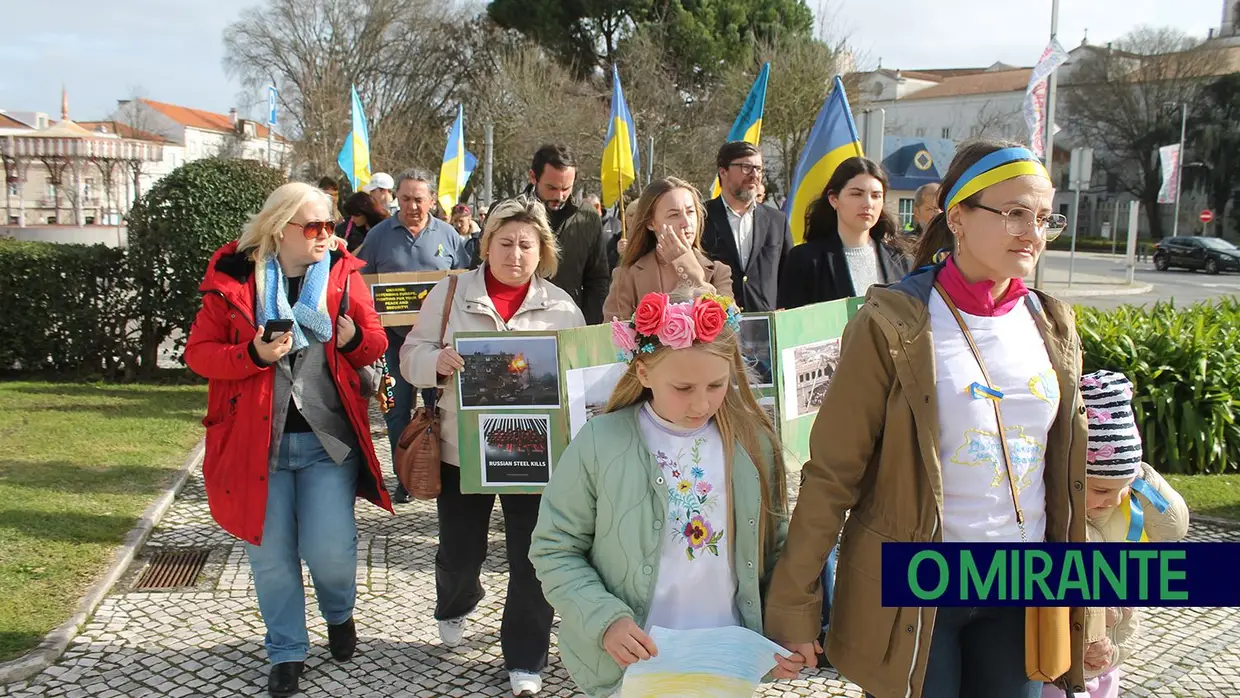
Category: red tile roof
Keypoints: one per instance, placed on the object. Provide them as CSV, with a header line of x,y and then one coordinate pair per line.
x,y
7,121
122,130
199,119
976,84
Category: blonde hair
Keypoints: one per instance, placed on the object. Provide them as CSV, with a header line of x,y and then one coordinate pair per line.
x,y
265,229
529,211
740,419
642,236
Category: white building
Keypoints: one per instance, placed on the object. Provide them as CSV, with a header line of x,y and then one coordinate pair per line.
x,y
205,134
80,174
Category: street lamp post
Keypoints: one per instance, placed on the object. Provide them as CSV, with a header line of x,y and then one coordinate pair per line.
x,y
1179,168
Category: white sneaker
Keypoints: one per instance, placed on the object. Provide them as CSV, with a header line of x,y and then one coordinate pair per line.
x,y
452,630
524,683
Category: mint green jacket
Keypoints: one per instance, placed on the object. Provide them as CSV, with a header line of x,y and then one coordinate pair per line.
x,y
600,536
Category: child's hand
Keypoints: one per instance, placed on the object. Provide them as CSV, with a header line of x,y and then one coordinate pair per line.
x,y
806,654
1098,654
1113,616
627,643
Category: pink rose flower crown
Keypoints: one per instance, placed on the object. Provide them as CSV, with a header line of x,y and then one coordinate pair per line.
x,y
657,321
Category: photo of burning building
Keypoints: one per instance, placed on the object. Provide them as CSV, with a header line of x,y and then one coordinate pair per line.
x,y
509,373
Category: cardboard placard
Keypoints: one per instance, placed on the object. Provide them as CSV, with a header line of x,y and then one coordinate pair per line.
x,y
398,296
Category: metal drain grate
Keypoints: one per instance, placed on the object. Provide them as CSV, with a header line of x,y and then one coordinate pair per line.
x,y
171,569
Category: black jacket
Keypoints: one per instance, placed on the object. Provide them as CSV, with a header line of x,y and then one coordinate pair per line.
x,y
817,272
755,280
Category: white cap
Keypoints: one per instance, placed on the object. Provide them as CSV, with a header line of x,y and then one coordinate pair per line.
x,y
380,180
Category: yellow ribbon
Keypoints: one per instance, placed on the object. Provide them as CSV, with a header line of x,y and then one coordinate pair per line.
x,y
999,174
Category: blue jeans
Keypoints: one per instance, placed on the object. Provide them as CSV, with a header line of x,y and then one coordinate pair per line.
x,y
398,417
979,653
309,517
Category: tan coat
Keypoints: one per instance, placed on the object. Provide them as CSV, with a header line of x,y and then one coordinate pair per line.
x,y
630,283
874,452
1112,527
545,307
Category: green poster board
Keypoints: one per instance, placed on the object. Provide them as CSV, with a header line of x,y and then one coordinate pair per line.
x,y
509,397
791,355
807,351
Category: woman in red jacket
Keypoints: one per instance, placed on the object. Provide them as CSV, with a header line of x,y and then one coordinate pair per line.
x,y
288,433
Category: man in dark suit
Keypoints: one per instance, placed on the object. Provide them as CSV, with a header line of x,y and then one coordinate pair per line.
x,y
752,239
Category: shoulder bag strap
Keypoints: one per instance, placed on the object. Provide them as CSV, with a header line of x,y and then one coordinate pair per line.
x,y
443,326
1003,444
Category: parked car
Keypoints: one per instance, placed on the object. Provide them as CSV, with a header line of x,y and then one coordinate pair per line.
x,y
1195,252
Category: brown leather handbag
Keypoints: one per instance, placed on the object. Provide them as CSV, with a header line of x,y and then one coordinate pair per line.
x,y
417,450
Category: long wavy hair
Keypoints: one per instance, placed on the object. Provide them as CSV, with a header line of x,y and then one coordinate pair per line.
x,y
740,419
642,235
823,223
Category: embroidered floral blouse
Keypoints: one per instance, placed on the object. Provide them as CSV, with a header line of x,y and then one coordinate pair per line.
x,y
695,587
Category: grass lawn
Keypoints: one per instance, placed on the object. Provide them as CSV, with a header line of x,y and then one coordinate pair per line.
x,y
79,463
1211,495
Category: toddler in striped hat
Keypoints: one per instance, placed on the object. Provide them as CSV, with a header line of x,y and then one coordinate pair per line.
x,y
1126,501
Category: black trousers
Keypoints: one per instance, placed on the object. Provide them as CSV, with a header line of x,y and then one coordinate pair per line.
x,y
464,522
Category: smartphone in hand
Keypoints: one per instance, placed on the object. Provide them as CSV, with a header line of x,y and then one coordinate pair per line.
x,y
275,328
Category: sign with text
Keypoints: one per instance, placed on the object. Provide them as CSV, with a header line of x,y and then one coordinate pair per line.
x,y
1060,574
398,297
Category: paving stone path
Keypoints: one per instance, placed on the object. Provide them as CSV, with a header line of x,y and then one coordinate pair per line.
x,y
207,641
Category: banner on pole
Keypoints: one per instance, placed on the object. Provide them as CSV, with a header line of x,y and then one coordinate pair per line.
x,y
1034,106
1169,155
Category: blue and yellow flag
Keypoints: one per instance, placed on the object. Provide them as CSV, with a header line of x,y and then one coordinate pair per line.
x,y
354,156
748,124
620,158
458,164
833,140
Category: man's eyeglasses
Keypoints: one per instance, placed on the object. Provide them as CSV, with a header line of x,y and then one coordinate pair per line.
x,y
313,230
747,169
1021,220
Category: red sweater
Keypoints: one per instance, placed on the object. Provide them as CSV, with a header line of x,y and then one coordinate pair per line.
x,y
507,299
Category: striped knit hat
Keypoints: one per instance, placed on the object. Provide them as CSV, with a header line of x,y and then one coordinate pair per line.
x,y
1114,442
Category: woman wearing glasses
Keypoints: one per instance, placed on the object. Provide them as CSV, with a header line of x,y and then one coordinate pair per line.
x,y
931,371
288,435
851,242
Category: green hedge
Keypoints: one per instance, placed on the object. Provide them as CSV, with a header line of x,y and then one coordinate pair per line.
x,y
94,310
1097,244
1185,364
65,308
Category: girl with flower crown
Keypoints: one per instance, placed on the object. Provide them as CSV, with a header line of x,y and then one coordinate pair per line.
x,y
670,508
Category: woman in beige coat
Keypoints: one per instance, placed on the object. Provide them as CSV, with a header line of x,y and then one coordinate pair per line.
x,y
508,292
665,252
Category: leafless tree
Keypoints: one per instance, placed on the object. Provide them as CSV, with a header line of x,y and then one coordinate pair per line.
x,y
992,121
1123,102
393,51
801,75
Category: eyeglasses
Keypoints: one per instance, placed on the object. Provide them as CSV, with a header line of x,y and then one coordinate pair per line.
x,y
1021,220
313,230
747,169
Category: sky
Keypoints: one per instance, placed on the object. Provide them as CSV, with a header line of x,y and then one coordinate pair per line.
x,y
173,51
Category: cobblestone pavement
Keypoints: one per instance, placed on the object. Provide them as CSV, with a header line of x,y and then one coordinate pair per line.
x,y
207,641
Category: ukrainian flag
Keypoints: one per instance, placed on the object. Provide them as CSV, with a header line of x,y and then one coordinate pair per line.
x,y
833,140
620,158
354,156
458,164
748,124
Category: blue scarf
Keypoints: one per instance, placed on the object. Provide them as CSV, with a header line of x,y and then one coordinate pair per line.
x,y
310,311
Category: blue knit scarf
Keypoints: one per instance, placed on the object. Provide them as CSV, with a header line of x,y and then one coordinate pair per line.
x,y
310,311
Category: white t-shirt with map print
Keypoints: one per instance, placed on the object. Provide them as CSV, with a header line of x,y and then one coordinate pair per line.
x,y
977,500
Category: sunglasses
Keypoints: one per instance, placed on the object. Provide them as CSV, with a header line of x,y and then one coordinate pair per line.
x,y
313,230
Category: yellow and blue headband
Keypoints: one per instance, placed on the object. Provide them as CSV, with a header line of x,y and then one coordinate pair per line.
x,y
996,167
